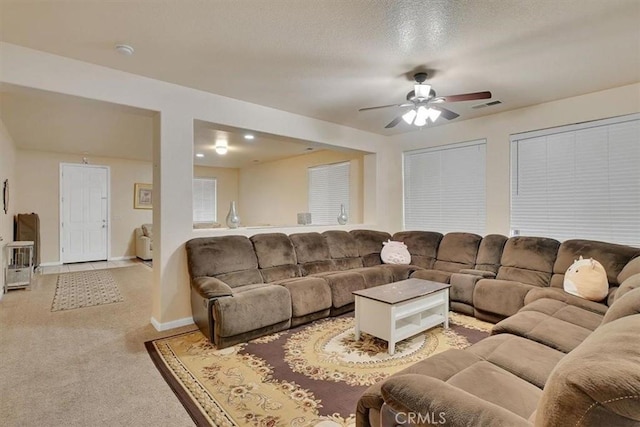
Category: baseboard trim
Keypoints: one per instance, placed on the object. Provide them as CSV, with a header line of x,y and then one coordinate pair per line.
x,y
171,325
121,258
50,264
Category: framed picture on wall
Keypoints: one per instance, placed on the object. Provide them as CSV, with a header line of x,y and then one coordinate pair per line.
x,y
142,196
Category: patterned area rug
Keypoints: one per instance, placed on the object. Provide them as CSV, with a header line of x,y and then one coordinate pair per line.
x,y
85,289
312,375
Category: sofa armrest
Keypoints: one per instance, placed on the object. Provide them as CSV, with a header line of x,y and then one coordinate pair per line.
x,y
425,396
482,273
210,287
462,286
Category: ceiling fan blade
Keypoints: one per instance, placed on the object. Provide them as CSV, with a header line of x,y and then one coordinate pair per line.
x,y
467,96
447,114
393,122
408,104
381,106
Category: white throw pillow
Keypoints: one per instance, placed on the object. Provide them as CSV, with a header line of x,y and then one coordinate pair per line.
x,y
395,253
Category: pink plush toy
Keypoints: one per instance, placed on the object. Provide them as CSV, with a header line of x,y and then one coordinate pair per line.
x,y
395,253
587,279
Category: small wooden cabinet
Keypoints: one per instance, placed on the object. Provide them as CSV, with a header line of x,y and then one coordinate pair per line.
x,y
18,265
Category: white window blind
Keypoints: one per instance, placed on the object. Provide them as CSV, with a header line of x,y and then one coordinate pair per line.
x,y
328,189
204,199
578,181
444,188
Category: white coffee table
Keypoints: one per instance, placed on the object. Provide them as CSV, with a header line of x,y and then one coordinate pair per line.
x,y
402,309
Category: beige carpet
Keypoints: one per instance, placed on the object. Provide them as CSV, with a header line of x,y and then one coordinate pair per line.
x,y
85,289
84,367
312,375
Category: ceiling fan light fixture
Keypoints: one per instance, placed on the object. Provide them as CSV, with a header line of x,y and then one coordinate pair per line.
x,y
409,116
422,91
433,114
221,147
421,116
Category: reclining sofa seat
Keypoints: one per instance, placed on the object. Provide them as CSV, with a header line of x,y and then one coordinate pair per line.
x,y
613,258
456,251
563,325
526,263
229,300
487,265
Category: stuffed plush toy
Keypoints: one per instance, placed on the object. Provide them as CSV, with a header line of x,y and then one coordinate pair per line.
x,y
395,253
587,279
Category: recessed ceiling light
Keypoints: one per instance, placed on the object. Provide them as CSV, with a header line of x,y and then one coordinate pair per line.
x,y
249,136
199,155
124,49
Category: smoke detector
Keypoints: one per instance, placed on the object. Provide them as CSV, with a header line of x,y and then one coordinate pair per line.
x,y
124,49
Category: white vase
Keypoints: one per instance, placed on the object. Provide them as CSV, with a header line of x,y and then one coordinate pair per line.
x,y
233,220
343,217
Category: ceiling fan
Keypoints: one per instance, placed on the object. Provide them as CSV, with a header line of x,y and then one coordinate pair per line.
x,y
422,104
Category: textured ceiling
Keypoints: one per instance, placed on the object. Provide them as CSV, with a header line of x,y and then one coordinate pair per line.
x,y
327,58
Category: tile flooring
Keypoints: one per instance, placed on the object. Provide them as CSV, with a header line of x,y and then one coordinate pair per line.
x,y
84,266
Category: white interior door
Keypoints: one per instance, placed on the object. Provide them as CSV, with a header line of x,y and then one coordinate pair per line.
x,y
84,217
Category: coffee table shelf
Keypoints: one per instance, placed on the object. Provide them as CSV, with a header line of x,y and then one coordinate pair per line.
x,y
400,310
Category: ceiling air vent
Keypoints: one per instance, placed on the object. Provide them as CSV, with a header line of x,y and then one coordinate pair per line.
x,y
486,104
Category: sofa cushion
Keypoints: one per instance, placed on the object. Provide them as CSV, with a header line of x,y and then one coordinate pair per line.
x,y
252,308
529,360
490,252
598,383
422,245
342,285
547,330
273,249
569,313
632,268
626,305
212,256
560,295
343,249
456,251
433,275
375,276
341,244
613,258
528,260
310,247
498,386
308,295
281,272
501,297
370,245
629,284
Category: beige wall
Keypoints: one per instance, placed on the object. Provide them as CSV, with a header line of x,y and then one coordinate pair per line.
x,y
226,187
497,129
7,171
273,193
38,187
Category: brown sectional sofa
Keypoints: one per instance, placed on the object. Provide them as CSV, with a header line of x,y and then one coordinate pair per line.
x,y
553,359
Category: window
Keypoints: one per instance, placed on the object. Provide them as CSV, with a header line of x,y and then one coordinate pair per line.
x,y
578,181
328,189
444,188
204,200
